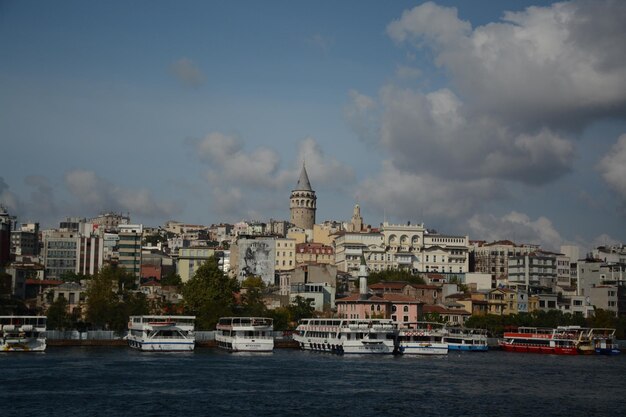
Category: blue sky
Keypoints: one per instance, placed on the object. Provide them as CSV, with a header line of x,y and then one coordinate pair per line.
x,y
492,119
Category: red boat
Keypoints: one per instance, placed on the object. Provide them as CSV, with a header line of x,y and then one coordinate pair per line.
x,y
561,341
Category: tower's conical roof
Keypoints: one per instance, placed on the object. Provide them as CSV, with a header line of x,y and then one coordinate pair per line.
x,y
303,181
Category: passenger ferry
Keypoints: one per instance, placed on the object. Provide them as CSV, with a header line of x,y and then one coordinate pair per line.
x,y
603,341
245,334
22,333
560,341
465,339
422,338
346,335
161,333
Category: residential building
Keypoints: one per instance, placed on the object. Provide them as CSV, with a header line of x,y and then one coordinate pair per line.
x,y
320,295
314,253
534,269
129,248
90,254
493,258
60,252
190,259
285,254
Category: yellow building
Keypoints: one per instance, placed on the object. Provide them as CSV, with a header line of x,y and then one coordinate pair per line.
x,y
285,254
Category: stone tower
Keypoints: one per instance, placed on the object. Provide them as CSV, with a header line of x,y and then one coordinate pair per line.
x,y
303,202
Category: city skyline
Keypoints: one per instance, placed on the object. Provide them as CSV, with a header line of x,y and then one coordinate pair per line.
x,y
497,120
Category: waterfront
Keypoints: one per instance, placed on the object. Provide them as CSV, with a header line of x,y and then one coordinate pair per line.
x,y
121,381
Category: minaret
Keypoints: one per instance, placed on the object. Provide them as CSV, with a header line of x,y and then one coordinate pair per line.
x,y
303,202
363,279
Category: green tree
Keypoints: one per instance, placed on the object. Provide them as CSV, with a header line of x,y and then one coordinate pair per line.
x,y
58,317
71,276
282,318
111,299
172,279
300,308
102,299
209,295
394,275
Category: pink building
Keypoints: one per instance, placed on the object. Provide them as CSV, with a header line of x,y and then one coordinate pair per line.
x,y
396,307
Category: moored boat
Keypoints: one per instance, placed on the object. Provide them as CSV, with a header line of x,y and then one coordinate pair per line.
x,y
604,342
562,341
347,335
466,339
22,333
245,334
422,338
161,333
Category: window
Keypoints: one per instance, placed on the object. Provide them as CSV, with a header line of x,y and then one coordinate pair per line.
x,y
406,318
405,309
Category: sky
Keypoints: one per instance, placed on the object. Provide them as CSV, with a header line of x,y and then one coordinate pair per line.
x,y
492,119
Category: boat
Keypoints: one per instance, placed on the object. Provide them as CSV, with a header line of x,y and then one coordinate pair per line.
x,y
604,342
466,339
161,333
347,335
559,341
422,338
245,334
22,333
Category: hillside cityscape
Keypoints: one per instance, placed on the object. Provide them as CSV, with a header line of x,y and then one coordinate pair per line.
x,y
95,272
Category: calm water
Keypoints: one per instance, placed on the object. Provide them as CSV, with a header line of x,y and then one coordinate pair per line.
x,y
121,381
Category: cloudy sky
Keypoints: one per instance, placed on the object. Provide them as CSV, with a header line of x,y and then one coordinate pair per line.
x,y
493,119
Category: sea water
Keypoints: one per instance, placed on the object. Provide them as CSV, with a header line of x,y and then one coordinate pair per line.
x,y
208,382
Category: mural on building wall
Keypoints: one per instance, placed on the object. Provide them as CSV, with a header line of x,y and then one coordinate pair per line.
x,y
257,258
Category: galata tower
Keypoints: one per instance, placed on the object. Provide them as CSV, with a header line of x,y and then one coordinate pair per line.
x,y
303,202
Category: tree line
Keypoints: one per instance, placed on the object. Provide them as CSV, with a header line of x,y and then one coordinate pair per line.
x,y
112,296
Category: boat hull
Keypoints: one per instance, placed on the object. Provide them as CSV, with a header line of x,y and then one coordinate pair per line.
x,y
23,345
245,345
345,346
161,345
423,348
539,349
468,348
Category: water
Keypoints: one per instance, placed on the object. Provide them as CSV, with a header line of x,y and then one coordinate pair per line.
x,y
120,381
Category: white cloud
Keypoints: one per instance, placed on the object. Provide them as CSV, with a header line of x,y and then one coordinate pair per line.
x,y
409,196
436,133
187,72
233,171
613,167
406,72
95,194
517,227
323,43
554,66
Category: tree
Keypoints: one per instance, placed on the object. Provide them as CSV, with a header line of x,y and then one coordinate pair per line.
x,y
394,275
282,318
71,276
209,295
111,299
252,299
58,318
300,308
102,299
172,279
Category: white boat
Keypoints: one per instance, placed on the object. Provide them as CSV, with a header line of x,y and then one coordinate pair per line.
x,y
465,339
422,338
22,333
161,333
346,335
245,334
